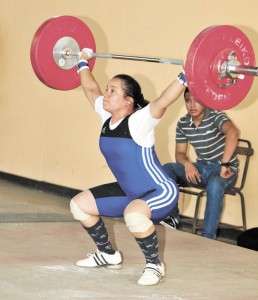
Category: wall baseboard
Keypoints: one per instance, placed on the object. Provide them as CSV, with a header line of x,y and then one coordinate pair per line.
x,y
40,185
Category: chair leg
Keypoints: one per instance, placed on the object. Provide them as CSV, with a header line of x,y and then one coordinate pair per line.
x,y
243,209
195,219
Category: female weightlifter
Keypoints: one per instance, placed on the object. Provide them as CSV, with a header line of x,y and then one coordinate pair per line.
x,y
143,193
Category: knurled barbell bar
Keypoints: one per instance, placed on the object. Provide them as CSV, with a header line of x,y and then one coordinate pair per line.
x,y
128,57
219,65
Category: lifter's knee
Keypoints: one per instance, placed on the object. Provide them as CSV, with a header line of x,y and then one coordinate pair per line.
x,y
78,214
137,222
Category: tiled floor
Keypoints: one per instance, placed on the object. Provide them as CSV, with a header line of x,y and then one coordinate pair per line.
x,y
40,243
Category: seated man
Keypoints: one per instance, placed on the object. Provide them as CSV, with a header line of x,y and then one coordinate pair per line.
x,y
214,138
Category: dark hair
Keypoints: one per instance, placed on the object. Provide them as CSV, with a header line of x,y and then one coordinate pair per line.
x,y
186,91
133,89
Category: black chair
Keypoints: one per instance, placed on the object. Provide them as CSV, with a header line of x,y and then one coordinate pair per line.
x,y
244,151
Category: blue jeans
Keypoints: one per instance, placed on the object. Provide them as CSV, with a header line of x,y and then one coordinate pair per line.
x,y
215,187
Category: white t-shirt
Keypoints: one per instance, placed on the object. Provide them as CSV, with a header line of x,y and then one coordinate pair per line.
x,y
141,123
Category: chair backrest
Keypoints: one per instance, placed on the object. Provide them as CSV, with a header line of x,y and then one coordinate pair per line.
x,y
244,151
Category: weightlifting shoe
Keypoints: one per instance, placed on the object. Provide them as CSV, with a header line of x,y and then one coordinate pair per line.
x,y
152,274
101,259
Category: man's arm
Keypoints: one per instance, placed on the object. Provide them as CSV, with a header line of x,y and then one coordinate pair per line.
x,y
191,172
181,153
232,134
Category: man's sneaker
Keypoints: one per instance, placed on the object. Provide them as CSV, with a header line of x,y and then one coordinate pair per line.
x,y
171,222
152,274
101,259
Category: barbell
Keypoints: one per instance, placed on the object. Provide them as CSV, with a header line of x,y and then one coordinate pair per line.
x,y
219,65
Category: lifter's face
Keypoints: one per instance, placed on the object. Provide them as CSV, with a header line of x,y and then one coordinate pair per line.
x,y
114,98
194,108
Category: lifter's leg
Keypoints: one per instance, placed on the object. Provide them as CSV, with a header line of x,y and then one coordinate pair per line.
x,y
137,217
84,209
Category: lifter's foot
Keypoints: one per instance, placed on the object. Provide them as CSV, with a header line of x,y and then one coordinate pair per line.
x,y
101,259
152,274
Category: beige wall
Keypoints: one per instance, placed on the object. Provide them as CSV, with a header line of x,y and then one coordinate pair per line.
x,y
52,136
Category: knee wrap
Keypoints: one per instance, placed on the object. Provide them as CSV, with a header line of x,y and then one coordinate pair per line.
x,y
78,214
137,222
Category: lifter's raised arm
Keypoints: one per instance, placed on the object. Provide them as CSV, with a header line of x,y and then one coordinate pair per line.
x,y
88,82
168,96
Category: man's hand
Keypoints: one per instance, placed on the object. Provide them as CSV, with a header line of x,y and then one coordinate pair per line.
x,y
191,173
225,172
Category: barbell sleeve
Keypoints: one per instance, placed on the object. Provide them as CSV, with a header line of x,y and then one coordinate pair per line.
x,y
253,71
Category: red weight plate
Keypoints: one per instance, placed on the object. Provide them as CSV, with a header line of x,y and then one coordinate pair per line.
x,y
41,52
211,47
